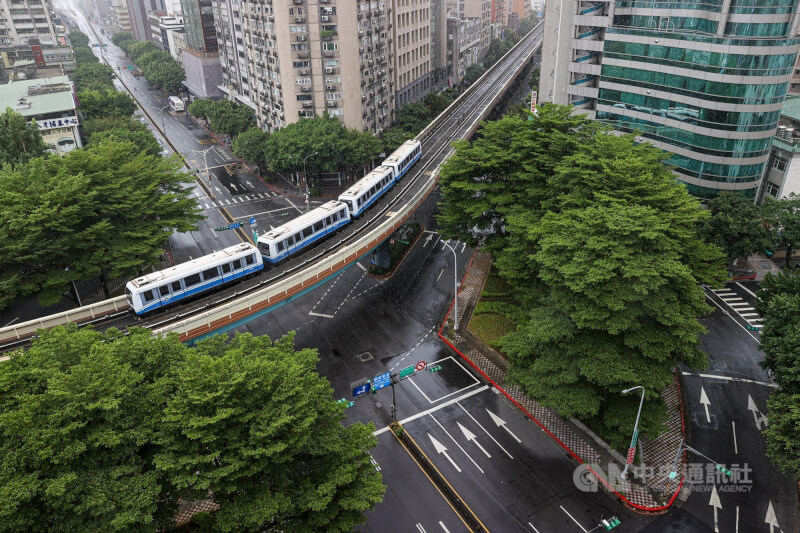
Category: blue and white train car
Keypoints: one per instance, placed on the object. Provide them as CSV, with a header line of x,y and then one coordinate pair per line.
x,y
404,158
302,231
365,191
162,288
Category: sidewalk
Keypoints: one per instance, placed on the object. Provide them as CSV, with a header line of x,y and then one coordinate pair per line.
x,y
656,494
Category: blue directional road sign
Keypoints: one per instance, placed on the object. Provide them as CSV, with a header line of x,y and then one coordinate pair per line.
x,y
252,221
361,390
381,380
234,225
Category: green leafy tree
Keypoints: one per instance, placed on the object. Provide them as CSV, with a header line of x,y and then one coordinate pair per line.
x,y
784,217
19,142
497,49
142,140
413,117
474,72
201,108
737,226
359,149
95,125
267,441
395,136
785,281
84,56
122,37
104,210
322,136
163,71
527,24
106,103
139,49
149,57
250,144
229,117
602,248
108,432
437,103
93,76
78,39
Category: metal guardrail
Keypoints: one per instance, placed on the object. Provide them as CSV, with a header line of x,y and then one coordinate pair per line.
x,y
261,301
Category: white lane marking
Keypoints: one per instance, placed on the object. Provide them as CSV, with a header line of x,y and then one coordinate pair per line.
x,y
235,200
484,430
573,519
710,299
433,409
311,313
745,289
443,527
735,445
745,315
420,528
227,201
457,444
362,267
533,528
737,519
473,438
205,206
214,233
441,449
729,300
728,378
440,275
420,391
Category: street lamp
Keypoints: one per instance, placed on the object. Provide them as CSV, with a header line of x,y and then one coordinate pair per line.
x,y
632,449
205,170
163,124
455,283
305,177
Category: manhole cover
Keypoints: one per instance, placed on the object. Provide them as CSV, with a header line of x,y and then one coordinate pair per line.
x,y
365,356
720,365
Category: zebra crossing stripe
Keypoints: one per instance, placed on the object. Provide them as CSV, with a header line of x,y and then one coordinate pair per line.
x,y
205,206
748,314
227,201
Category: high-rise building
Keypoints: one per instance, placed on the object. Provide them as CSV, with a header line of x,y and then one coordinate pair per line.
x,y
480,10
198,21
232,51
120,18
705,84
520,9
412,50
200,55
308,57
23,21
439,58
138,11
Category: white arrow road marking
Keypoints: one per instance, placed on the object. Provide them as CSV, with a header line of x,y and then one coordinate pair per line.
x,y
716,504
219,191
444,527
470,436
234,187
463,247
499,422
757,416
771,519
440,449
573,519
249,184
705,401
430,236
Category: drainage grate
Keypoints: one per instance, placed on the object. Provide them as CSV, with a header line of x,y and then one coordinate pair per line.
x,y
365,356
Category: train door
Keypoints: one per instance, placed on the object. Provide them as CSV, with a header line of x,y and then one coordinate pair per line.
x,y
226,272
164,294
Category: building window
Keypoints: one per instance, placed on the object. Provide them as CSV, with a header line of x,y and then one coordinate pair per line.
x,y
779,164
773,189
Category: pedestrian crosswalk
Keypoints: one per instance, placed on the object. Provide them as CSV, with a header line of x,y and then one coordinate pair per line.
x,y
742,307
211,204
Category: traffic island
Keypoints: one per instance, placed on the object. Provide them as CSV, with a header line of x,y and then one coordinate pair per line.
x,y
399,244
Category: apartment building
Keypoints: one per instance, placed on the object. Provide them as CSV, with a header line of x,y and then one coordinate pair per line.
x,y
412,50
463,46
705,84
23,21
480,10
308,57
232,50
120,18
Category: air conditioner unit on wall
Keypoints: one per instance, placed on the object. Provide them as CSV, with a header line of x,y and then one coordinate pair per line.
x,y
329,70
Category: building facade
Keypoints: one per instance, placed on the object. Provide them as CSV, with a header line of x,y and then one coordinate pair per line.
x,y
306,58
520,9
52,105
232,50
703,81
463,46
23,21
120,18
782,173
138,11
412,50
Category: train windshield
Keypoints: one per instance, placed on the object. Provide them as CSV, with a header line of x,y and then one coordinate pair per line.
x,y
128,294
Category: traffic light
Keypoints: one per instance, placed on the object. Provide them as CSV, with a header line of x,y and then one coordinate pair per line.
x,y
768,253
434,368
722,468
347,404
751,328
611,523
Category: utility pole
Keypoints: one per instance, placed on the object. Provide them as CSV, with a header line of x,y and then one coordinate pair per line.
x,y
305,177
455,284
205,169
632,449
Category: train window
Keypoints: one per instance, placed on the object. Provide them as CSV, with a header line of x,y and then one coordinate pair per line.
x,y
281,245
148,296
176,286
226,267
359,202
297,238
237,264
164,290
307,231
194,279
328,220
210,273
317,226
250,259
341,214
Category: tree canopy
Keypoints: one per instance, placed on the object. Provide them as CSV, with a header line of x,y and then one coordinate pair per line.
x,y
84,56
474,72
93,76
142,139
250,144
123,39
105,209
95,125
105,103
413,117
78,39
783,215
109,432
223,116
737,226
19,142
603,250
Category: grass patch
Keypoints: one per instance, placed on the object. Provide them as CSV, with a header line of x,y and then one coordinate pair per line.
x,y
490,327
